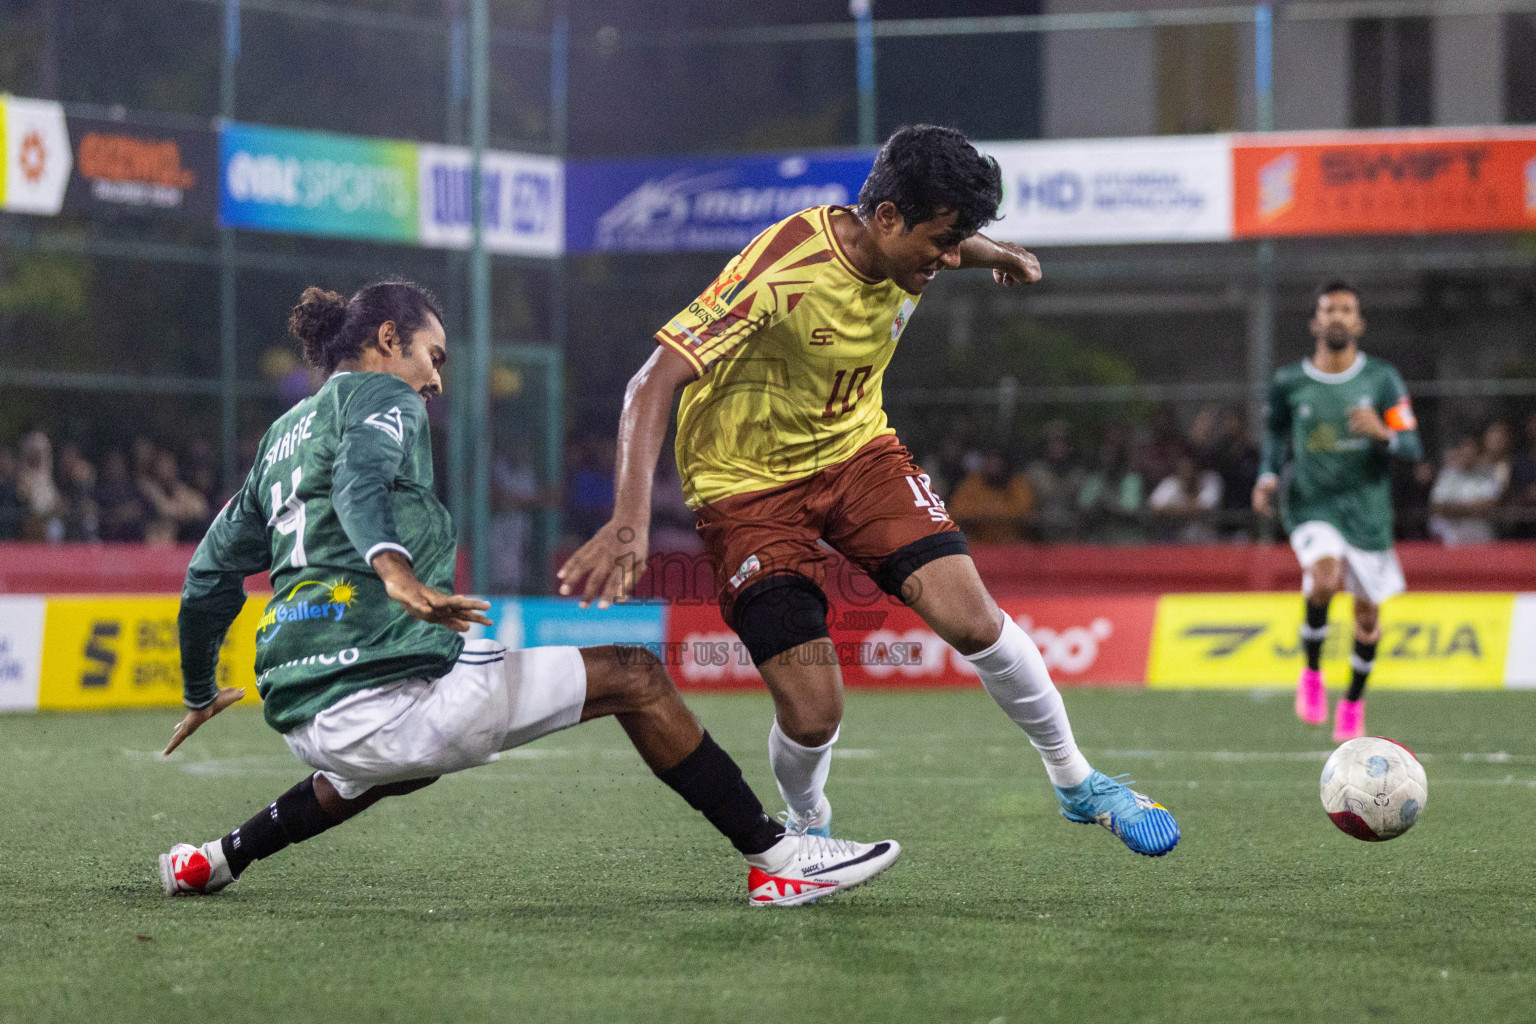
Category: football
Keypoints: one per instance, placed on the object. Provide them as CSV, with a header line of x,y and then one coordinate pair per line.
x,y
1374,788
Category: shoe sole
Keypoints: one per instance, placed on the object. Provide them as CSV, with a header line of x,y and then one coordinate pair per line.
x,y
804,898
167,875
1158,833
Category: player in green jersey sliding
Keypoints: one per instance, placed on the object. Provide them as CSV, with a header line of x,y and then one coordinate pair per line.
x,y
1342,416
359,659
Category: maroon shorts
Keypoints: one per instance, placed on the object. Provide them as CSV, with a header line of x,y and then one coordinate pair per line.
x,y
875,508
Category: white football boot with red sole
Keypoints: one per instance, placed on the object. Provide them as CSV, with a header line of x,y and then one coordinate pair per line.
x,y
817,867
194,870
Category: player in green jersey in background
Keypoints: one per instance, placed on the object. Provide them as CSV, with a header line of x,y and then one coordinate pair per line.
x,y
359,660
1342,416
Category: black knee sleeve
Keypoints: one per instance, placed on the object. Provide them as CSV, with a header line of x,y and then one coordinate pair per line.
x,y
778,613
893,572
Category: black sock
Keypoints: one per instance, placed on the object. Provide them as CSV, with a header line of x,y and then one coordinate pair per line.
x,y
291,818
1360,666
1314,633
712,784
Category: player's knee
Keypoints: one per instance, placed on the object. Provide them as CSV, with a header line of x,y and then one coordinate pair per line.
x,y
976,630
810,724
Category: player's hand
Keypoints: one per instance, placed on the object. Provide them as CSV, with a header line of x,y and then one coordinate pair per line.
x,y
1022,266
1367,422
190,724
1262,491
608,567
428,604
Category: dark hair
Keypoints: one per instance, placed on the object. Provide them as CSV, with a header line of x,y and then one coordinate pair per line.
x,y
923,169
333,329
1338,284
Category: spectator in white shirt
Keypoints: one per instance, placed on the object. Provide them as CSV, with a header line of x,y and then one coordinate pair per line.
x,y
1463,499
1186,499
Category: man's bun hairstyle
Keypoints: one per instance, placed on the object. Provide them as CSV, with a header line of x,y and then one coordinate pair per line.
x,y
332,329
924,168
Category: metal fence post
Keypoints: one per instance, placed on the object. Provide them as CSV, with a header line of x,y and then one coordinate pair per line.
x,y
479,301
229,337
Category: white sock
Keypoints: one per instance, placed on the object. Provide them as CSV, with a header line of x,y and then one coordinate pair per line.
x,y
800,771
1015,675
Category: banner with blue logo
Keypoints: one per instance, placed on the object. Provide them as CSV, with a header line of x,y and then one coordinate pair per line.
x,y
315,183
675,204
524,201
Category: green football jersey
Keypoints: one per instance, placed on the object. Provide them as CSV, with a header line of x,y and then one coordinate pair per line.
x,y
338,478
1341,478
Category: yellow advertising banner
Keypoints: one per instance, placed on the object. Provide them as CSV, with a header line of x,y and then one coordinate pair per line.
x,y
115,652
1429,641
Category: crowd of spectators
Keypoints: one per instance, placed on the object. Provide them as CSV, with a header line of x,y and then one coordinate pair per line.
x,y
145,494
1144,483
1155,483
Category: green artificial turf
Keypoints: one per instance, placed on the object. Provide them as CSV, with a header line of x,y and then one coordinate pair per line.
x,y
566,884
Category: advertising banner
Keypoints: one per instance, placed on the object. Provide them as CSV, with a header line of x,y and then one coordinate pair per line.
x,y
114,652
705,203
1520,663
37,158
1385,183
21,651
125,167
524,201
1083,640
313,183
1175,189
1441,641
559,622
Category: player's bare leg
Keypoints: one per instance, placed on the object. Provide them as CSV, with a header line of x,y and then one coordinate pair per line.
x,y
1327,575
949,595
1349,716
807,689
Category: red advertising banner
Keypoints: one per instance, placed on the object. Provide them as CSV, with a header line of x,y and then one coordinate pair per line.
x,y
1384,183
1083,640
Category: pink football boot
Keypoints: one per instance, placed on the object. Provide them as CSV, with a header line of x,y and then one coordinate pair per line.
x,y
1311,700
1349,720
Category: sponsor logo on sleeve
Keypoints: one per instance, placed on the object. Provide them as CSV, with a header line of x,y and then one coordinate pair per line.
x,y
390,422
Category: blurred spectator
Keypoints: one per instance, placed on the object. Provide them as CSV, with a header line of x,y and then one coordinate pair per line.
x,y
10,502
1235,459
42,505
590,493
174,504
950,465
1112,494
993,504
672,521
1185,499
514,498
123,511
1496,451
1055,480
1165,444
77,485
1466,491
143,459
1522,485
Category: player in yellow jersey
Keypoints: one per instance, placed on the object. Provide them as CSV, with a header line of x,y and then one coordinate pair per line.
x,y
782,443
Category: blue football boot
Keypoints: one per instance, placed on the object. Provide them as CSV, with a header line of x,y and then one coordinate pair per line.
x,y
1140,822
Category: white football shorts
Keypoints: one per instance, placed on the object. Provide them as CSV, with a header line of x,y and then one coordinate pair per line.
x,y
1373,575
492,700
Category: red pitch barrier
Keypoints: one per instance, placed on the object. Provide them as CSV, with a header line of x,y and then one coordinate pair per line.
x,y
1014,569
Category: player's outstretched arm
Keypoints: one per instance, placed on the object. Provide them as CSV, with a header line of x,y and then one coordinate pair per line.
x,y
1011,265
608,567
428,604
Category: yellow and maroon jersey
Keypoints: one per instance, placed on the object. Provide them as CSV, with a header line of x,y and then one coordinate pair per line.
x,y
790,343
